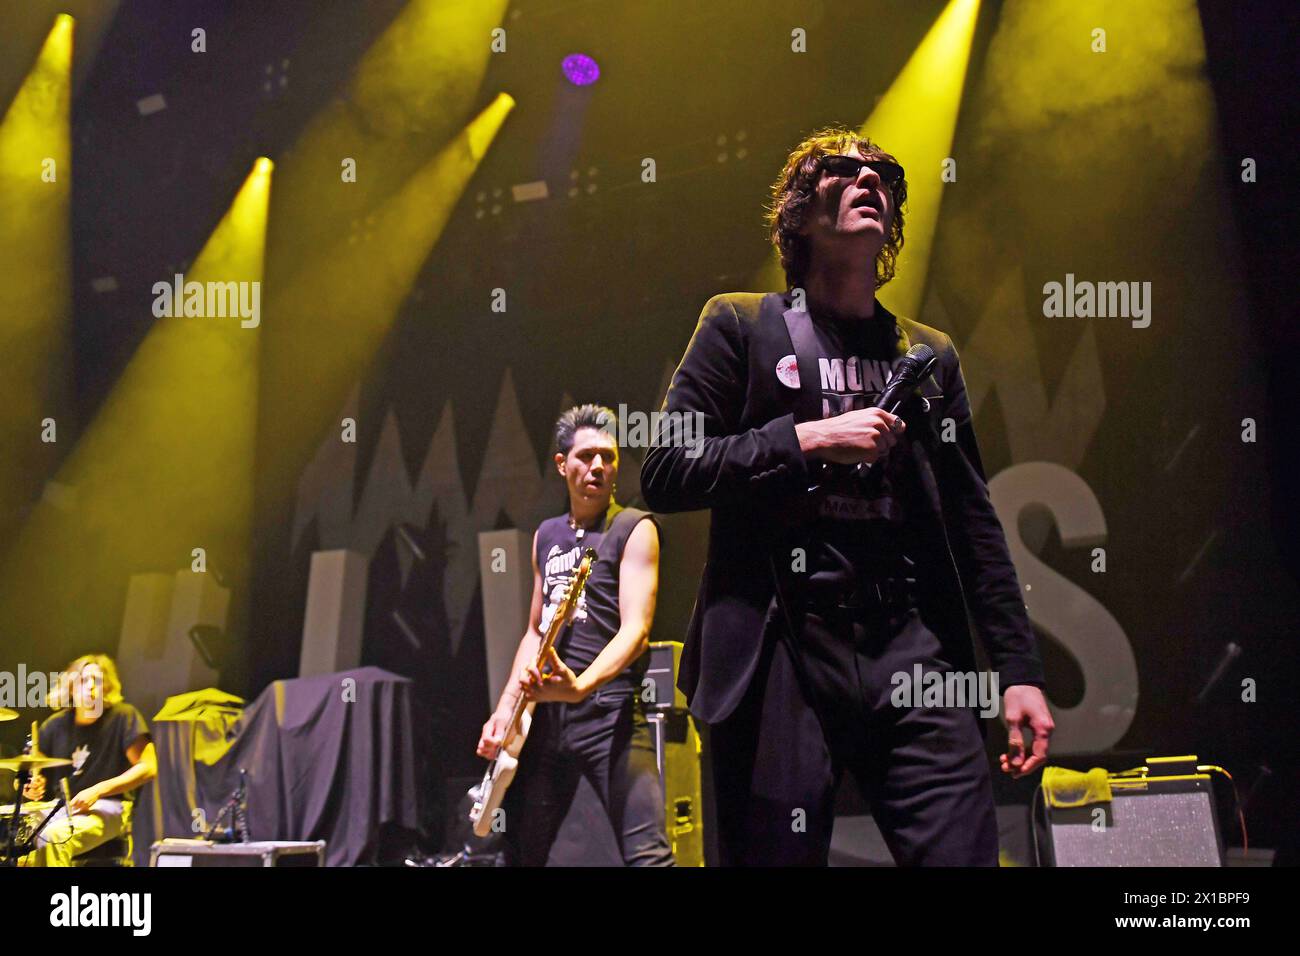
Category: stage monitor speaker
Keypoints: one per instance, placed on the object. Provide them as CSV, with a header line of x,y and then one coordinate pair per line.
x,y
677,745
1159,819
677,749
585,837
263,853
665,660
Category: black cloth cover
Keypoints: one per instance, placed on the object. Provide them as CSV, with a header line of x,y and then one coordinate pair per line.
x,y
328,758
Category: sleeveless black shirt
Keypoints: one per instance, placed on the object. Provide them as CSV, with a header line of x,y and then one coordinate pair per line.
x,y
596,620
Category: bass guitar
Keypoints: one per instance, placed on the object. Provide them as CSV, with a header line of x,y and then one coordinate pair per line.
x,y
487,796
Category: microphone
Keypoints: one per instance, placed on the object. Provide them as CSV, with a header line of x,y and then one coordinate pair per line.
x,y
67,794
912,367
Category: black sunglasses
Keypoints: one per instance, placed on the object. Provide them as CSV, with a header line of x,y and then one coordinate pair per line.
x,y
889,173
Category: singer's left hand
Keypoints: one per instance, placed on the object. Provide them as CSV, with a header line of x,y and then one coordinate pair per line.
x,y
1024,705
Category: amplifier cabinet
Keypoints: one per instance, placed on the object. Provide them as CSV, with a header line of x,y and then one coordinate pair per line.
x,y
1158,821
262,853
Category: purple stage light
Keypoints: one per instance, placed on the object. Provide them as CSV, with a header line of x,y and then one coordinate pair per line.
x,y
580,69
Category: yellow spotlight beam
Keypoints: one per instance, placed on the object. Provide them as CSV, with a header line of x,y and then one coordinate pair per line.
x,y
413,89
35,183
361,168
167,464
335,314
916,120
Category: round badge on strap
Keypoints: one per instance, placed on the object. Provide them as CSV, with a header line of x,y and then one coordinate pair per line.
x,y
787,371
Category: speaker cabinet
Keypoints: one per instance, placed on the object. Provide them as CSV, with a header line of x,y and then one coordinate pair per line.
x,y
264,853
1149,821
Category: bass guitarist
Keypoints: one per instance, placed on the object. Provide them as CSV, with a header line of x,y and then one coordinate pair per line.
x,y
589,719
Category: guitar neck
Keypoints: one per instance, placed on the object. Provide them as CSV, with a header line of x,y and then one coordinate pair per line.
x,y
558,622
552,634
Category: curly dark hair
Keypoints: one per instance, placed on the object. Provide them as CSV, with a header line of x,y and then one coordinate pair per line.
x,y
795,188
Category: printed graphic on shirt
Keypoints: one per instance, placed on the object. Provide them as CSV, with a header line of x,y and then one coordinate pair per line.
x,y
850,383
849,507
79,757
557,572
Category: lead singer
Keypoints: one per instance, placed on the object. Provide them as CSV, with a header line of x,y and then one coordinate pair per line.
x,y
826,587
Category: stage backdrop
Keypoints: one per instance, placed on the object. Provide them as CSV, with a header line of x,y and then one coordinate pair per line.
x,y
1127,452
1104,252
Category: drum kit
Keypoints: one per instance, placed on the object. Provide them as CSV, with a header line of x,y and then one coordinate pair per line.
x,y
22,822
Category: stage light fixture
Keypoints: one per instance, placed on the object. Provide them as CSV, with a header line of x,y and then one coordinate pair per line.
x,y
723,143
149,105
530,192
580,69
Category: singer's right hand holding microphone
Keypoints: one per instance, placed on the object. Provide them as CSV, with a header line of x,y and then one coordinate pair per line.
x,y
863,435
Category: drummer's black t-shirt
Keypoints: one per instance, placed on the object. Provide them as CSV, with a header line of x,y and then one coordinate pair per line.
x,y
98,750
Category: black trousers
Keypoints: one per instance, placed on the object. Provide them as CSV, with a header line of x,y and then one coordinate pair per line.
x,y
607,739
820,705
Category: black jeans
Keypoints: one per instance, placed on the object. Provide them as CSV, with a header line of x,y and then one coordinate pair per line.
x,y
607,739
820,705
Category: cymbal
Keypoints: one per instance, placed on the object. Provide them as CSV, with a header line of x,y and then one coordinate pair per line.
x,y
31,806
27,762
7,714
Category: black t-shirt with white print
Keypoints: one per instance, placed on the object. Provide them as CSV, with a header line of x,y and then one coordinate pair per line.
x,y
596,618
98,750
859,519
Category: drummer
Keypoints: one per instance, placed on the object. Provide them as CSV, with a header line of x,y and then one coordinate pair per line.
x,y
112,754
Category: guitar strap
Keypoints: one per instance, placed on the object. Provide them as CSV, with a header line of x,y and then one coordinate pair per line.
x,y
808,405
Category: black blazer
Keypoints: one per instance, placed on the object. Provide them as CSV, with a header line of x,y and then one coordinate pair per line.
x,y
750,472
